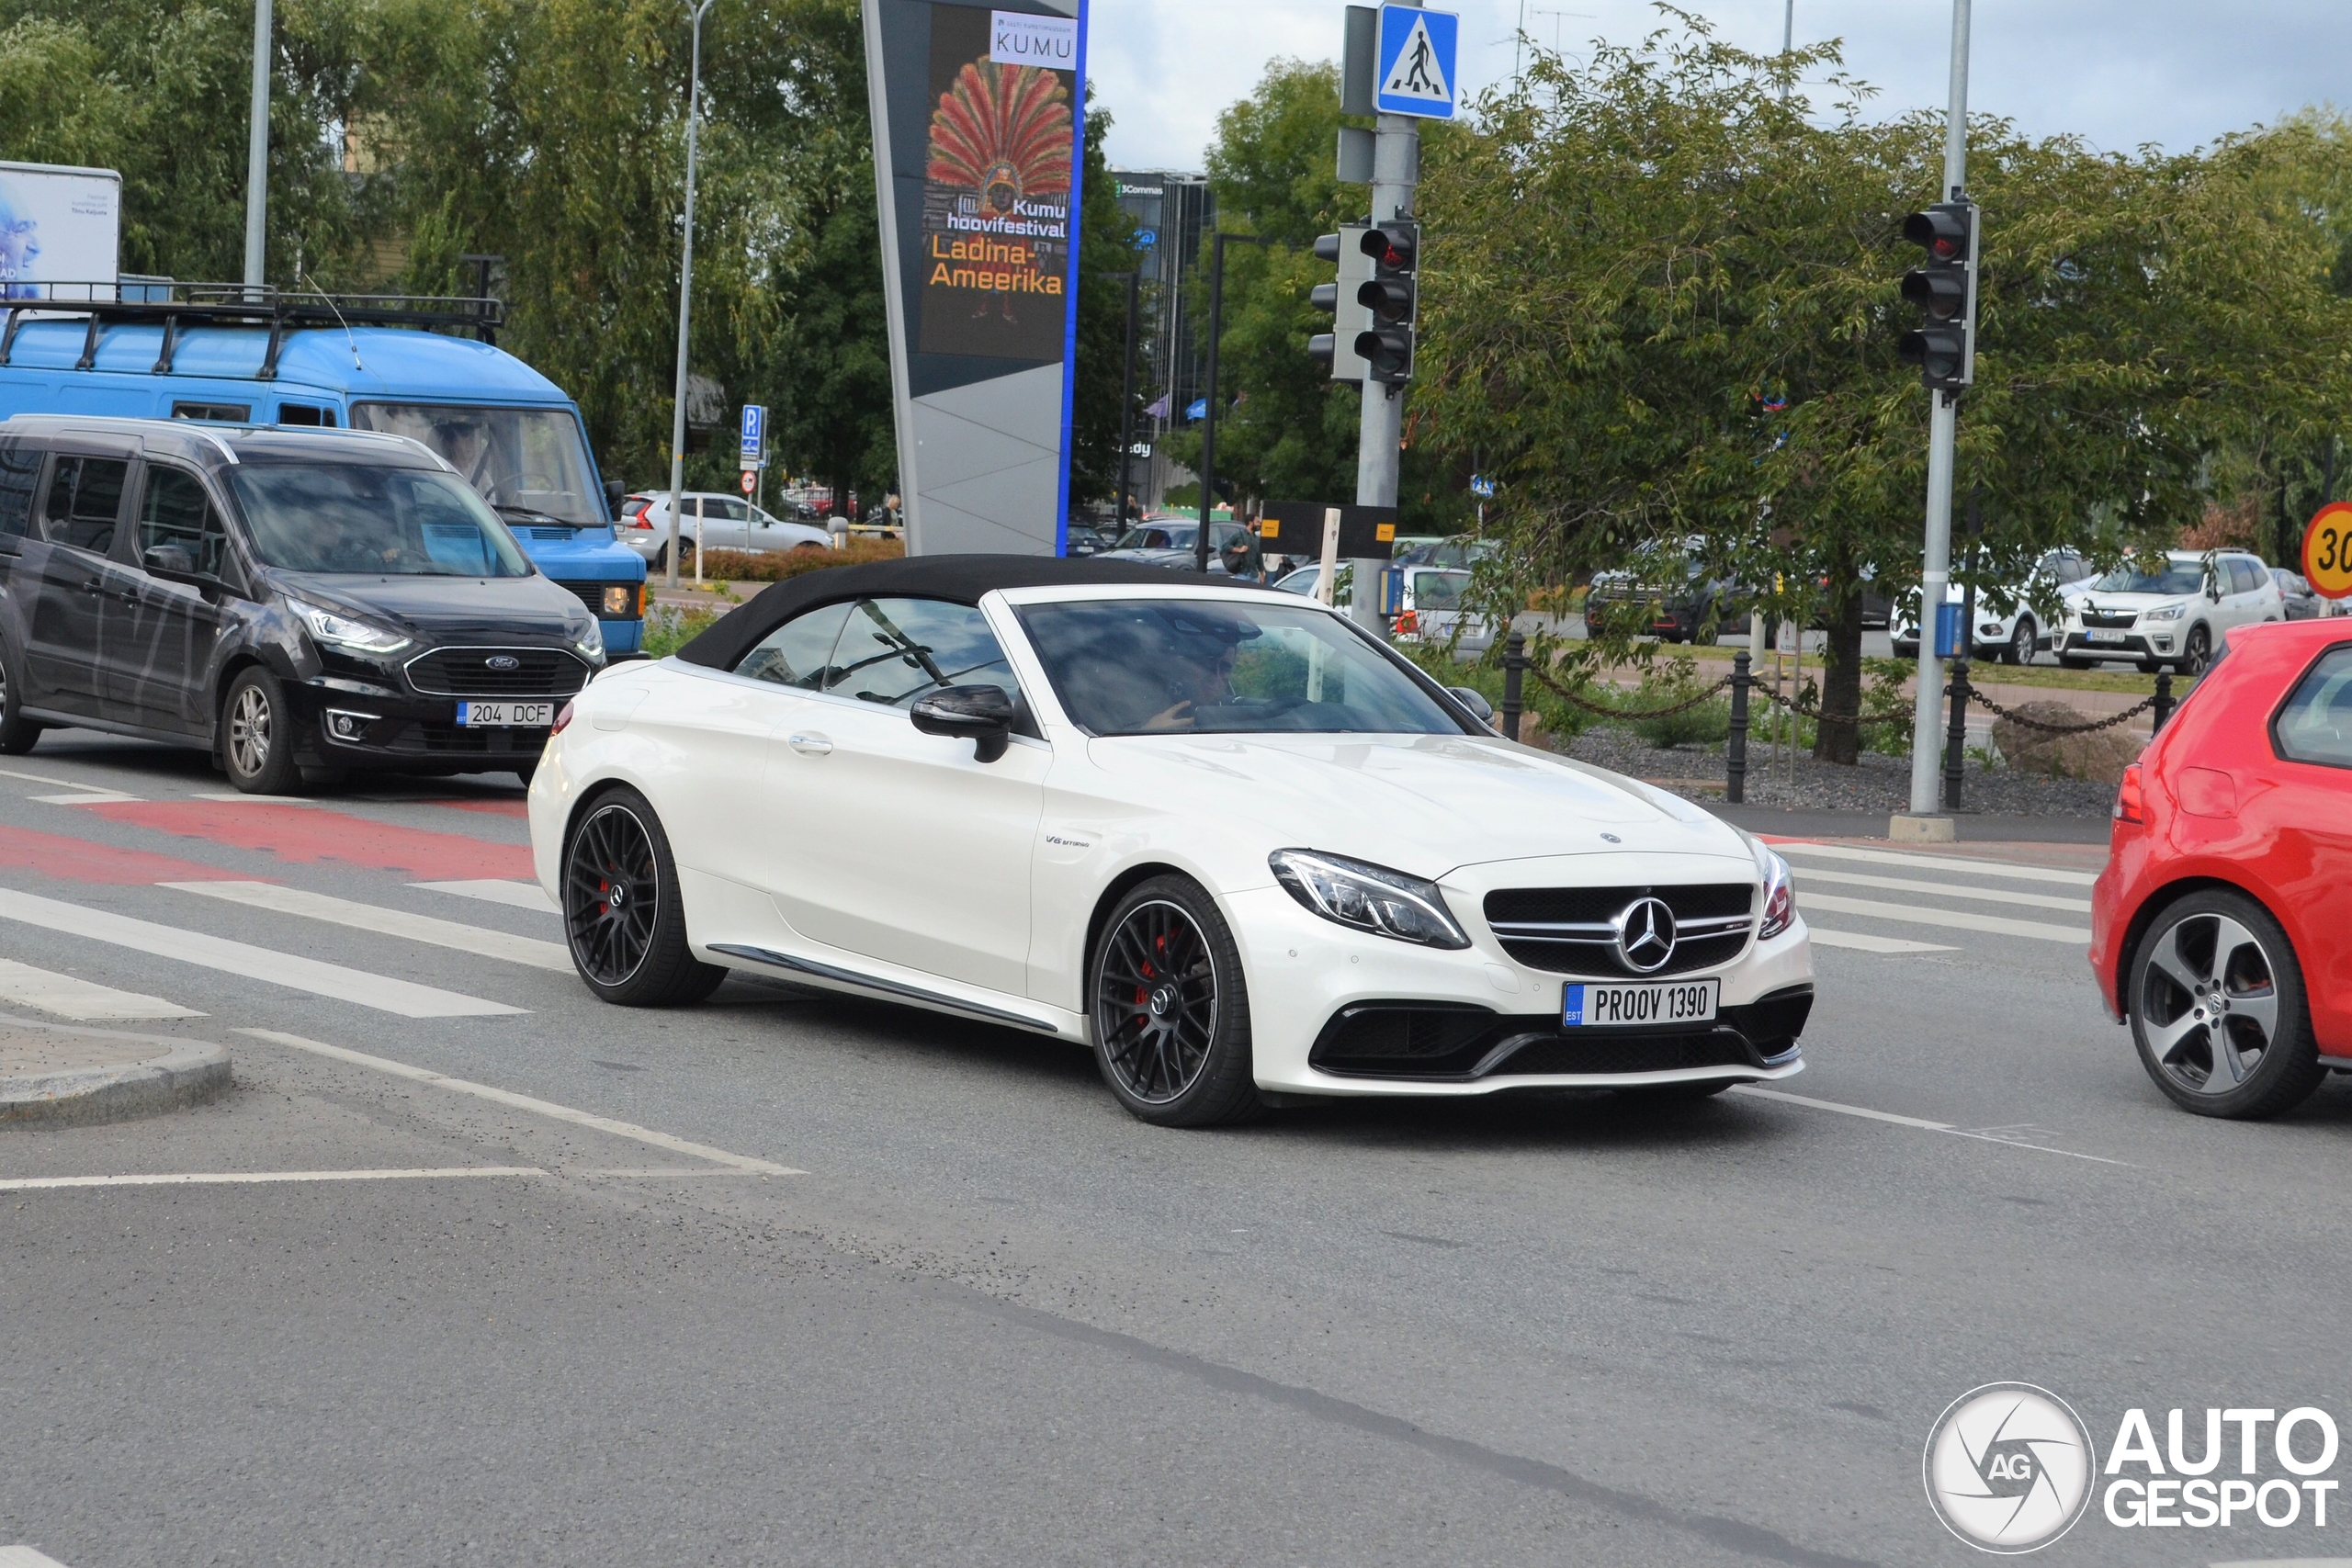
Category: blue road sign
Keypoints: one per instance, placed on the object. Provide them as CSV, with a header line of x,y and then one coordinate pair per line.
x,y
755,429
1482,487
1416,62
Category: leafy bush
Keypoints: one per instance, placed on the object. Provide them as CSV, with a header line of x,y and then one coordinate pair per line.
x,y
669,628
1705,724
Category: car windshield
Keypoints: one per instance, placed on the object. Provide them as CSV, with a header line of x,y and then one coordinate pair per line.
x,y
1439,590
1188,666
520,460
352,517
1175,535
2177,577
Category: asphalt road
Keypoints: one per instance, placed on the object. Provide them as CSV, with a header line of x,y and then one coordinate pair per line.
x,y
989,1318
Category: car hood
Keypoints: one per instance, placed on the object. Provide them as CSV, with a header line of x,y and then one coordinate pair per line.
x,y
1423,804
442,607
2111,602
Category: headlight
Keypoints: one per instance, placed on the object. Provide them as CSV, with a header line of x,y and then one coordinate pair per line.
x,y
1779,898
590,641
2165,613
620,600
344,632
1368,898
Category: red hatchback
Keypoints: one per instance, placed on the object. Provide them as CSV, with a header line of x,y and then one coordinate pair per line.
x,y
2222,928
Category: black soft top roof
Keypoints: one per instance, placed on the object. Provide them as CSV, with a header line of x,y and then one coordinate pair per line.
x,y
960,580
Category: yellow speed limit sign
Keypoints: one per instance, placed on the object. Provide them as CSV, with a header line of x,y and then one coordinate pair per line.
x,y
2327,550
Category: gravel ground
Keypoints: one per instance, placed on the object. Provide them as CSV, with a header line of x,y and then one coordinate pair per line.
x,y
1876,783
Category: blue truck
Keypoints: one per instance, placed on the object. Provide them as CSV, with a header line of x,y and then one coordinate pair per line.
x,y
221,355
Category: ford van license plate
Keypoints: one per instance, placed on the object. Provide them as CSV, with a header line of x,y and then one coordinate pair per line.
x,y
506,716
1638,1006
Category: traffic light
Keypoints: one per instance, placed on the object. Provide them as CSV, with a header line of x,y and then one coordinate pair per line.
x,y
1337,347
1390,297
1944,344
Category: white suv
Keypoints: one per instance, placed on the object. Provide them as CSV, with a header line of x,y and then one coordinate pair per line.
x,y
2178,616
2016,636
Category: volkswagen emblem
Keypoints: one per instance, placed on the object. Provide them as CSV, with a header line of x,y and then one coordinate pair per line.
x,y
504,662
1645,935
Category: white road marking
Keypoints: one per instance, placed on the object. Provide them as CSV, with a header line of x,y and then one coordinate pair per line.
x,y
1941,862
490,890
1758,1091
285,900
1945,890
380,992
1959,919
25,1557
525,1102
1862,941
239,797
68,997
244,1178
88,797
61,784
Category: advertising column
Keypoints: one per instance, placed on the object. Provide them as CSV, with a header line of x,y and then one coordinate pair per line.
x,y
978,120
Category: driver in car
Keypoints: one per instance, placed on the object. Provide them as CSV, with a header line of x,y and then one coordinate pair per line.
x,y
1199,673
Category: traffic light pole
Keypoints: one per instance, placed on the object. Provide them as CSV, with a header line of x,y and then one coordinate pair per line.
x,y
1942,434
1396,169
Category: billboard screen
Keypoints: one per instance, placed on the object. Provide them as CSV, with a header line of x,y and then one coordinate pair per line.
x,y
57,225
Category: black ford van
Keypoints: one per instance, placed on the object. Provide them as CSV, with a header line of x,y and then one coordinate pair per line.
x,y
300,602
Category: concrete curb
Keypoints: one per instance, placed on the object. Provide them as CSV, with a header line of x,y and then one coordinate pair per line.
x,y
193,1071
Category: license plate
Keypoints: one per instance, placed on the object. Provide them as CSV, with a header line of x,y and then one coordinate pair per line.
x,y
2098,634
506,716
1637,1006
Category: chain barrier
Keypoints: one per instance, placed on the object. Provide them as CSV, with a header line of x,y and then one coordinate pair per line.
x,y
2135,710
1610,712
1857,720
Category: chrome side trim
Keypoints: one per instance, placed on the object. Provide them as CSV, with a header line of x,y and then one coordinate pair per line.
x,y
875,983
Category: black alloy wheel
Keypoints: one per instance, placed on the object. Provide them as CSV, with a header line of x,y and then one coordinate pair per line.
x,y
621,911
2217,1009
255,735
1170,1014
2196,652
17,733
2024,642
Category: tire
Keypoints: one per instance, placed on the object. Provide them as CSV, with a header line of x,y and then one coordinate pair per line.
x,y
17,733
2216,954
616,862
526,772
2197,653
2025,641
1170,1010
256,735
661,561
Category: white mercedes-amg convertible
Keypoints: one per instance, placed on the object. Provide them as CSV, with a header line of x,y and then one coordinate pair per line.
x,y
1221,836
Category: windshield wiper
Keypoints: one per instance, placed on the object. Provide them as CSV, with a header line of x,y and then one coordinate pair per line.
x,y
506,509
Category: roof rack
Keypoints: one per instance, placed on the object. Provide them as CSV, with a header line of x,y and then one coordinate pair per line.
x,y
149,301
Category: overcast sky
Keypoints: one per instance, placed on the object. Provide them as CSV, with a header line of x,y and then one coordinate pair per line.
x,y
2119,72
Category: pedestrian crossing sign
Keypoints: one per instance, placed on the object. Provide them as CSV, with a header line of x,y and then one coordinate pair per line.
x,y
1416,62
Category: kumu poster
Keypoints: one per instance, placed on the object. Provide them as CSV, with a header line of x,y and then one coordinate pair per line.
x,y
997,172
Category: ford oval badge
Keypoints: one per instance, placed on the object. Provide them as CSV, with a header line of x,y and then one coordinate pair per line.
x,y
504,662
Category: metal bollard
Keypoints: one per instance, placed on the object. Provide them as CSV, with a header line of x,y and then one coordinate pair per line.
x,y
1736,749
1514,673
1956,740
2163,702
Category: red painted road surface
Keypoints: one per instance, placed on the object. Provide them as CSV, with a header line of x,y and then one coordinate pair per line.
x,y
78,860
306,835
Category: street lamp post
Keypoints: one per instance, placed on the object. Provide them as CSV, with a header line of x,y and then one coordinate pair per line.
x,y
258,154
686,304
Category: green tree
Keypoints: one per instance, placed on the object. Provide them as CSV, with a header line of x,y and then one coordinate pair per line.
x,y
1106,249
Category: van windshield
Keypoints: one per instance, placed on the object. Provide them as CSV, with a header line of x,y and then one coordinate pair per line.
x,y
520,460
354,518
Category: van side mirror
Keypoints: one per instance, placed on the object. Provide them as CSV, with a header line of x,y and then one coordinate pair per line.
x,y
982,714
172,563
614,494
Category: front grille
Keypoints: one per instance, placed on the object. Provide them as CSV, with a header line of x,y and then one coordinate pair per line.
x,y
432,739
593,595
2109,617
1567,930
467,672
1567,1052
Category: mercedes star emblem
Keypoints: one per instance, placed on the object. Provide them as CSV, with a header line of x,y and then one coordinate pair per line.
x,y
1645,935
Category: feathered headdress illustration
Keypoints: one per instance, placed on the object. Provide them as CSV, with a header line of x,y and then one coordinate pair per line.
x,y
1004,131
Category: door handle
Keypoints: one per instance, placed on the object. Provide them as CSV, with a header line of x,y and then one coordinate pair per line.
x,y
809,745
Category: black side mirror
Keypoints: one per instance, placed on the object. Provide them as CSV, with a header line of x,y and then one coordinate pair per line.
x,y
172,563
1469,697
982,714
614,494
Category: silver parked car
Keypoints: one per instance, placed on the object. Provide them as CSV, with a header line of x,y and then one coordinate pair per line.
x,y
720,522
